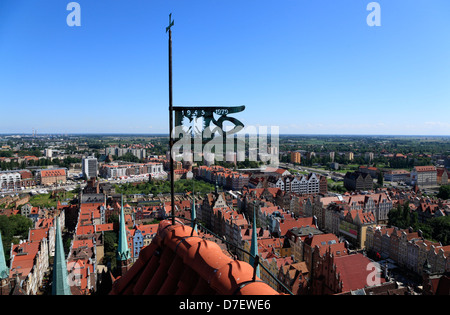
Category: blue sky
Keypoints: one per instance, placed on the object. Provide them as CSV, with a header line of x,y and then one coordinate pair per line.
x,y
309,67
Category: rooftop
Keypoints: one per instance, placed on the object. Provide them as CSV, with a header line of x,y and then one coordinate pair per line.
x,y
178,261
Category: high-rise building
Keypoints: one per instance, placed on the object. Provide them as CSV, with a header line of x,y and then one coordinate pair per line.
x,y
295,157
90,167
349,156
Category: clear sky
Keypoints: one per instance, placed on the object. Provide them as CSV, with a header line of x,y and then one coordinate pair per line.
x,y
309,67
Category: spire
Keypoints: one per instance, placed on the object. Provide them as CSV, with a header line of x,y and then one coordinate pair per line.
x,y
123,253
60,284
4,271
254,244
193,214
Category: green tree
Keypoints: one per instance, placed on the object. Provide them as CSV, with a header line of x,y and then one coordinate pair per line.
x,y
444,192
440,229
394,216
13,228
380,179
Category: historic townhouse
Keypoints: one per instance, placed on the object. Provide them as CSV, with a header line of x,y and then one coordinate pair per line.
x,y
334,213
358,181
318,207
354,226
295,277
52,176
297,236
406,236
315,242
424,176
406,248
302,185
439,259
343,274
424,247
29,262
143,236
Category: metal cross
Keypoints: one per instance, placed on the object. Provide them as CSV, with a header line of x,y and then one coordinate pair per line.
x,y
170,23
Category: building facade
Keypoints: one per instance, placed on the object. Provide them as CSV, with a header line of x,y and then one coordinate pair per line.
x,y
424,176
52,176
358,181
296,157
90,167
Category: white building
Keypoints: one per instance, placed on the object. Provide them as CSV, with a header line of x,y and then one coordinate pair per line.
x,y
9,179
90,167
116,170
301,185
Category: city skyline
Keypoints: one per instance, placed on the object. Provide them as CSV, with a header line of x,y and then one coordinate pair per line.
x,y
309,68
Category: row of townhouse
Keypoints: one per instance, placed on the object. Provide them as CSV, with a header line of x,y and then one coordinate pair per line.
x,y
296,249
142,235
303,185
87,248
379,204
223,177
28,265
29,260
293,257
408,249
218,214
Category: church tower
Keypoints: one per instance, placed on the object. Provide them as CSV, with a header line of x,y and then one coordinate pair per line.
x,y
193,214
60,283
5,286
123,252
254,245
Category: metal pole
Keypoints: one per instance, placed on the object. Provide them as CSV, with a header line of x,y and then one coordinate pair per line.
x,y
170,128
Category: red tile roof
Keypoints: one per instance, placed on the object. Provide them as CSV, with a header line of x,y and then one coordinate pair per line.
x,y
36,235
178,263
428,168
104,227
291,223
321,240
355,272
51,173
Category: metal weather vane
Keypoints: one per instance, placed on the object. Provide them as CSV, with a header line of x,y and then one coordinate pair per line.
x,y
202,117
189,117
170,23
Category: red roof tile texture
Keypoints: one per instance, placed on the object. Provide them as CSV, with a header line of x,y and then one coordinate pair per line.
x,y
176,263
51,173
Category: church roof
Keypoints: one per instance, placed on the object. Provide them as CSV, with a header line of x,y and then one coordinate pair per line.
x,y
178,263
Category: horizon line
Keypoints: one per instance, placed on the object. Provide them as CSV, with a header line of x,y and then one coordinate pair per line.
x,y
167,134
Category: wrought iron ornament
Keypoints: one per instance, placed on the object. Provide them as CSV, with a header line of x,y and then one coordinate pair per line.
x,y
195,120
